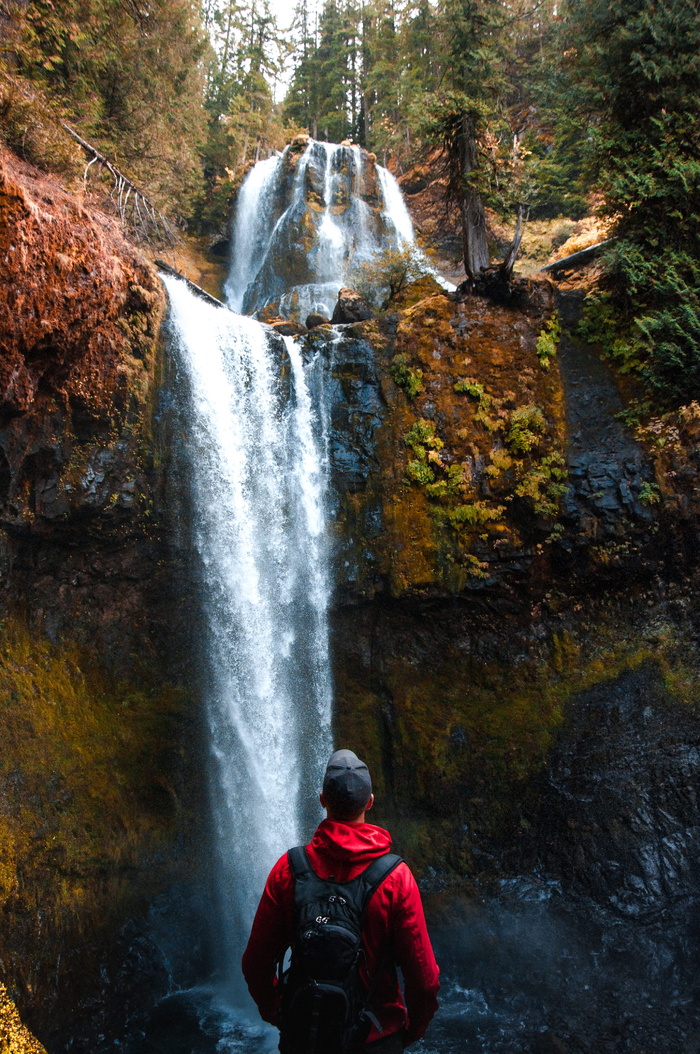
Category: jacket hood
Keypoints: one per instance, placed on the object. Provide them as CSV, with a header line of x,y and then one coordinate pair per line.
x,y
352,842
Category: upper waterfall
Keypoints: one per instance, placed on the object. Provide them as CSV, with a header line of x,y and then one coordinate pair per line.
x,y
304,220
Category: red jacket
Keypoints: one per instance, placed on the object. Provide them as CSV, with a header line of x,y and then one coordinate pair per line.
x,y
394,922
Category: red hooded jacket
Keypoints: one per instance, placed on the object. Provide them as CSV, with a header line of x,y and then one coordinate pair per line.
x,y
394,923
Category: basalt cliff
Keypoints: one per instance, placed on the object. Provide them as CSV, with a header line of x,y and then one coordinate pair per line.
x,y
514,627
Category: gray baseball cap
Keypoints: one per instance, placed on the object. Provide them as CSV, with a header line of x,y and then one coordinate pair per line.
x,y
347,785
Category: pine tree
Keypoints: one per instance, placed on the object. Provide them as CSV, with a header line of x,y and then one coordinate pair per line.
x,y
471,103
635,83
130,76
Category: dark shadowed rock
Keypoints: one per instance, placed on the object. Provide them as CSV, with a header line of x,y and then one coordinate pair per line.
x,y
620,815
351,307
316,319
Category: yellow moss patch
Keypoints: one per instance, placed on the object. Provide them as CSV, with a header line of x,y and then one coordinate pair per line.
x,y
85,770
14,1037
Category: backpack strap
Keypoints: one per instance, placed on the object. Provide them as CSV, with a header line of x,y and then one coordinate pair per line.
x,y
373,876
299,861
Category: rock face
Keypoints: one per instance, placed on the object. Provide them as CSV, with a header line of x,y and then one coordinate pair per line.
x,y
514,630
620,816
94,696
499,540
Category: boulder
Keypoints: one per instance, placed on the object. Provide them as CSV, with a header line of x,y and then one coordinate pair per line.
x,y
351,307
316,319
287,328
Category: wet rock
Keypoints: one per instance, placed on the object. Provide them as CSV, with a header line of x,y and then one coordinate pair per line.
x,y
287,328
550,1043
351,307
315,319
621,811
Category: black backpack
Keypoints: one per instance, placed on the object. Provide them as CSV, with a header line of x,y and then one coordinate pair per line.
x,y
325,1007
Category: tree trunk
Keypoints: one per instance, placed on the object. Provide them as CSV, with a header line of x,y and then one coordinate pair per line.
x,y
512,254
476,251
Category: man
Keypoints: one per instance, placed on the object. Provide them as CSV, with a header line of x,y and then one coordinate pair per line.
x,y
394,931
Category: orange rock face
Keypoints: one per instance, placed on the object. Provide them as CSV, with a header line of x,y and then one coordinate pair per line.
x,y
70,285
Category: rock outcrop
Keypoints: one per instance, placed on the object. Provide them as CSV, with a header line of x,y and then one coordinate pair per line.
x,y
503,543
94,786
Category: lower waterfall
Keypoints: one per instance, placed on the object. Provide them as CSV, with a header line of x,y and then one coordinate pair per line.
x,y
256,451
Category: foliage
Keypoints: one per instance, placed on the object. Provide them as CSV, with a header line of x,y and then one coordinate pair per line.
x,y
382,280
649,494
408,378
544,484
471,387
476,514
548,340
425,444
29,125
603,323
129,76
634,76
419,472
525,428
422,436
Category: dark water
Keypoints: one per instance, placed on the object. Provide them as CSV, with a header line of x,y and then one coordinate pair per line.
x,y
527,970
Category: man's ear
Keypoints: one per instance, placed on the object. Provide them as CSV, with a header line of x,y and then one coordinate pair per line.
x,y
322,799
370,803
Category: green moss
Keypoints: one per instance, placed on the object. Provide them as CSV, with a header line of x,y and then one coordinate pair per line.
x,y
94,760
548,341
409,379
525,428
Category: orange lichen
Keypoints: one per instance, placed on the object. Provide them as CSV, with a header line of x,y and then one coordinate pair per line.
x,y
81,308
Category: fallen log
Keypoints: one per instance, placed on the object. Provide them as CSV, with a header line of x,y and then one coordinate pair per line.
x,y
576,260
124,189
196,289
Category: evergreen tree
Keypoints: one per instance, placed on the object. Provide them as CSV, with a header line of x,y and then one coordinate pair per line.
x,y
130,77
471,104
244,123
635,79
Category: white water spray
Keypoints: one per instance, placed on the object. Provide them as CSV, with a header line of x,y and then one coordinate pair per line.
x,y
256,450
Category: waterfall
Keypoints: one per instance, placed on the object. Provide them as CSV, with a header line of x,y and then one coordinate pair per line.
x,y
304,220
255,447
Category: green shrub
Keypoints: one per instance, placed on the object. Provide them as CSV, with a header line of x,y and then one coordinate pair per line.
x,y
649,494
471,387
382,280
548,341
420,472
409,379
422,434
526,426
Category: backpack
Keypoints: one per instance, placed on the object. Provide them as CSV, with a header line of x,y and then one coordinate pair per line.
x,y
325,1007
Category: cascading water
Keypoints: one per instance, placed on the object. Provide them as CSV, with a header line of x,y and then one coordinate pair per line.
x,y
256,451
257,447
304,220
